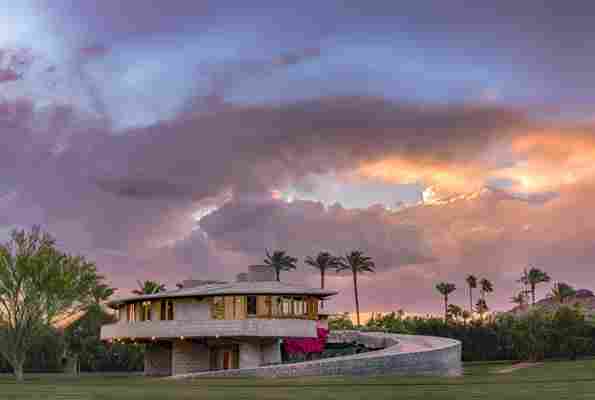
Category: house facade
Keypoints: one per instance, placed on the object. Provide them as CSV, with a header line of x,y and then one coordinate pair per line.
x,y
214,325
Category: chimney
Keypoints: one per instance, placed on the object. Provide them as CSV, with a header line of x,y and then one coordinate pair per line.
x,y
260,273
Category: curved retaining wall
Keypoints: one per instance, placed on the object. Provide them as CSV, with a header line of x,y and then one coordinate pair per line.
x,y
405,355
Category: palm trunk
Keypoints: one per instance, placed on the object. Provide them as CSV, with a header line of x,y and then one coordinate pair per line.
x,y
356,297
322,285
532,294
470,299
277,273
445,308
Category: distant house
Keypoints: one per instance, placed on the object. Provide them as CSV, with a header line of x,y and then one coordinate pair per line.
x,y
213,325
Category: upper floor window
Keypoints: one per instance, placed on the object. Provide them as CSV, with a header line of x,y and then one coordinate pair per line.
x,y
131,312
251,305
145,314
167,310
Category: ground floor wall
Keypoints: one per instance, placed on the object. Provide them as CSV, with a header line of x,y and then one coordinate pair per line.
x,y
183,356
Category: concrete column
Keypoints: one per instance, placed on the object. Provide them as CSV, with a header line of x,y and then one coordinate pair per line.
x,y
271,351
189,356
250,354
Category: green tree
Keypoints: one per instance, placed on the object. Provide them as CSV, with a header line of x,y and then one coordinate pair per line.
x,y
562,291
472,284
485,286
481,307
38,285
454,312
323,262
357,263
532,278
280,261
149,287
445,289
519,299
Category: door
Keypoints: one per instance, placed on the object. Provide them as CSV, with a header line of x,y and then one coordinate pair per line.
x,y
227,360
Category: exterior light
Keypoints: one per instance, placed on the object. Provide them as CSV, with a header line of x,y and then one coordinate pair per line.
x,y
181,337
153,338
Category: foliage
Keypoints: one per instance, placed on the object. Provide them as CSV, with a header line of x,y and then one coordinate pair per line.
x,y
471,281
324,262
562,291
531,336
280,261
357,263
340,322
532,278
149,287
38,284
445,289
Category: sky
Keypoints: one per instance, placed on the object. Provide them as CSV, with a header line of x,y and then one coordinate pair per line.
x,y
181,139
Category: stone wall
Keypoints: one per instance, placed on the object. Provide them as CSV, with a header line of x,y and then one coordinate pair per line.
x,y
271,351
250,354
407,355
158,359
189,356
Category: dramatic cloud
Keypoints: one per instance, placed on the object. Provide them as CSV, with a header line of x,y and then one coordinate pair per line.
x,y
184,140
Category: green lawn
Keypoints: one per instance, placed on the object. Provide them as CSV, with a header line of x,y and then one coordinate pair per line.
x,y
554,380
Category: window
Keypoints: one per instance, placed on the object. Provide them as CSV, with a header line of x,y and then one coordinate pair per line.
x,y
218,308
146,311
131,310
167,310
251,307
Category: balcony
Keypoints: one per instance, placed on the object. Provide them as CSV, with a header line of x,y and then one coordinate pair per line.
x,y
210,328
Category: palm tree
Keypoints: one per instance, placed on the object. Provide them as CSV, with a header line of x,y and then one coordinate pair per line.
x,y
324,261
466,315
472,283
445,289
149,287
532,278
280,261
519,299
357,263
454,311
561,291
485,286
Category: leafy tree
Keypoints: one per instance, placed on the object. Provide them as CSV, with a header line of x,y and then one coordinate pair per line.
x,y
149,287
532,278
324,262
482,307
519,299
562,291
357,263
38,284
280,261
445,289
454,311
466,315
340,322
472,284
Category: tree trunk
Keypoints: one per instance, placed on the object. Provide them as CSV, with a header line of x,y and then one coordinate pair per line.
x,y
18,370
445,308
356,297
277,272
322,286
533,294
470,299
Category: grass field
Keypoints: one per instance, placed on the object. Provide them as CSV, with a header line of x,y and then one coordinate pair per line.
x,y
553,380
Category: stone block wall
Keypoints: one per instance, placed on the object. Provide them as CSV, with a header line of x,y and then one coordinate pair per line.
x,y
407,355
189,356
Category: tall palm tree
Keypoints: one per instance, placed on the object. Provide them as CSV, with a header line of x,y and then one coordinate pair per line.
x,y
472,284
324,262
149,287
445,289
481,307
280,261
562,291
485,286
532,278
357,263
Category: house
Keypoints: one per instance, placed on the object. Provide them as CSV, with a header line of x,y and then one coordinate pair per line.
x,y
214,325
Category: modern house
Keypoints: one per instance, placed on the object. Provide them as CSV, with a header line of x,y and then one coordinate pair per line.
x,y
214,325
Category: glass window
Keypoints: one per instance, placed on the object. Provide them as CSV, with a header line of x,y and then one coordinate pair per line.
x,y
167,310
251,306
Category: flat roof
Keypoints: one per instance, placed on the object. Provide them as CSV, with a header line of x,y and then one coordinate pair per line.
x,y
235,288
